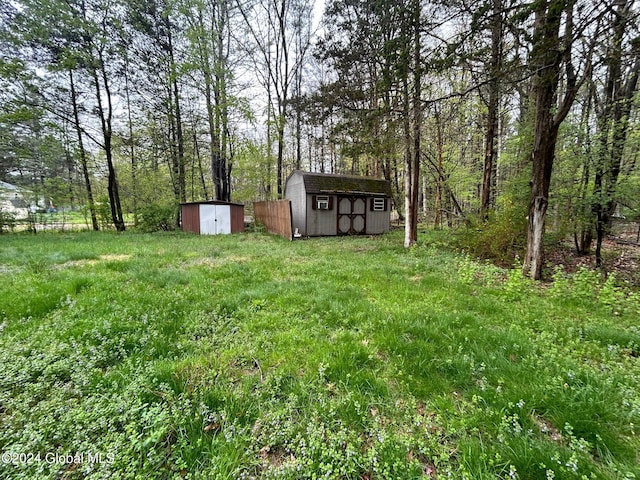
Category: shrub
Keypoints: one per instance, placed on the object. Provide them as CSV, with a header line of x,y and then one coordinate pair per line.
x,y
103,212
158,217
501,237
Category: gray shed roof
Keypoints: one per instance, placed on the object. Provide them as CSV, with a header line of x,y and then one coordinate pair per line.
x,y
315,183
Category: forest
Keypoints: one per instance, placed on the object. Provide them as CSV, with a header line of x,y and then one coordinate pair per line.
x,y
511,119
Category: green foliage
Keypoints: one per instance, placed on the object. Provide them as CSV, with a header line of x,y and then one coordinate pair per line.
x,y
500,238
103,213
158,217
586,286
248,356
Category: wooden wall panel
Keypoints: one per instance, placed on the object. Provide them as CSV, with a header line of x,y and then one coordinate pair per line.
x,y
275,216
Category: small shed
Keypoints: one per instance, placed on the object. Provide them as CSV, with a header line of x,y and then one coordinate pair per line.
x,y
328,204
212,217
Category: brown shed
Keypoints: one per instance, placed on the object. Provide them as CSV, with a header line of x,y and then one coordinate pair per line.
x,y
212,217
328,204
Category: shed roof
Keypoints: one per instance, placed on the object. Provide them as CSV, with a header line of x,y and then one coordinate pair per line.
x,y
350,184
213,202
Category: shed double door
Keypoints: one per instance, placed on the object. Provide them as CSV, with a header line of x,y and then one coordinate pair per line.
x,y
352,215
215,219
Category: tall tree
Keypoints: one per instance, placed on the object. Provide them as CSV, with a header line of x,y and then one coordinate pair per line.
x,y
550,50
412,185
613,109
82,152
281,45
78,35
491,131
210,35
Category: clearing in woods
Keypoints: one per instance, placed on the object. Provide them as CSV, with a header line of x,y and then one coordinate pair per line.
x,y
247,356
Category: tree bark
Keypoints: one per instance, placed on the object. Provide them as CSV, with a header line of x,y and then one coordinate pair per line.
x,y
491,132
83,154
180,178
413,114
613,126
132,156
106,116
437,223
546,58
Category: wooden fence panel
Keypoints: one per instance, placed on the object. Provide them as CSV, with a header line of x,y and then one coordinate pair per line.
x,y
275,216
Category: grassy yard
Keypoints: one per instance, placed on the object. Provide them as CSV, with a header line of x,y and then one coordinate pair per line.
x,y
247,356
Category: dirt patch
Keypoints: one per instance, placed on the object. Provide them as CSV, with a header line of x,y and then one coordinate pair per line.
x,y
621,255
217,261
547,428
94,261
114,258
8,270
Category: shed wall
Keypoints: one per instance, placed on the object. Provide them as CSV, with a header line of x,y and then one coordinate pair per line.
x,y
295,192
237,218
231,214
378,222
321,222
190,218
275,216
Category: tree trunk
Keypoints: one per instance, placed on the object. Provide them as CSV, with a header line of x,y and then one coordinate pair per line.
x,y
132,156
203,183
179,168
412,100
106,116
491,133
417,120
613,126
408,212
583,226
83,155
282,90
546,57
437,223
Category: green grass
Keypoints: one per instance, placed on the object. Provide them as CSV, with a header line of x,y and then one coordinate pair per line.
x,y
247,356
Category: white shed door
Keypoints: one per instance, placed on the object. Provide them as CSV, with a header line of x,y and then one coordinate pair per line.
x,y
223,219
215,219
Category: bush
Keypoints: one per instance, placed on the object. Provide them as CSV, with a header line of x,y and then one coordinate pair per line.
x,y
158,217
103,212
501,238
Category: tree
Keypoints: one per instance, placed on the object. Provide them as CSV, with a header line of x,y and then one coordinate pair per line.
x,y
412,159
613,109
77,36
281,44
210,44
493,100
550,50
82,152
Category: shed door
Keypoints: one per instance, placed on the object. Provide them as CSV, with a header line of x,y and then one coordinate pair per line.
x,y
351,215
215,219
223,217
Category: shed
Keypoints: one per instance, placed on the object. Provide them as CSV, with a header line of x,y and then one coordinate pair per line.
x,y
212,217
329,204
